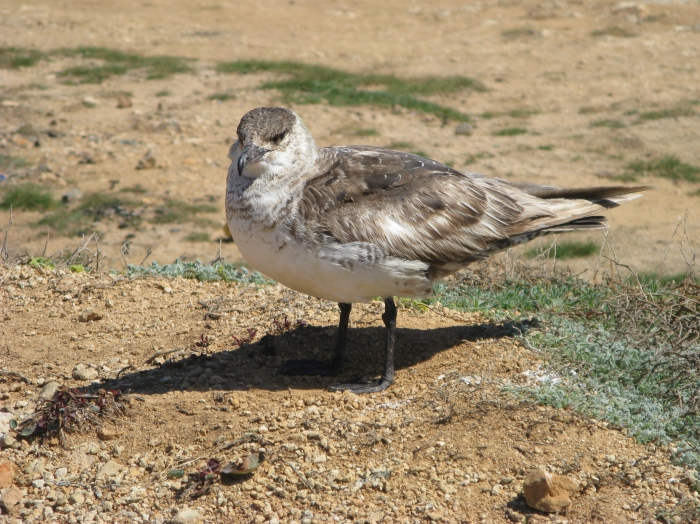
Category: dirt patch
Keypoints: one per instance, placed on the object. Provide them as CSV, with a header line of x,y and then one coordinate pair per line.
x,y
444,443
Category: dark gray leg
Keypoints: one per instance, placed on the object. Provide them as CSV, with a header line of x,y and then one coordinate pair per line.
x,y
307,366
387,378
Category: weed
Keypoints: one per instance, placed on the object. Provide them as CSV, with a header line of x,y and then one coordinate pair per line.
x,y
313,84
471,159
116,63
137,189
178,212
16,57
10,163
674,112
612,124
588,110
30,197
511,131
367,131
222,96
163,93
198,237
197,270
668,166
520,32
513,113
545,147
566,250
615,31
92,208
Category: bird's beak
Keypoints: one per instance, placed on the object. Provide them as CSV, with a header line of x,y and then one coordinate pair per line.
x,y
250,155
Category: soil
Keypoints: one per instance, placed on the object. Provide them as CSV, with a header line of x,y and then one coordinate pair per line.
x,y
445,443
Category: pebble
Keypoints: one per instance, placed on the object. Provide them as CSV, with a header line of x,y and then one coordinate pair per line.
x,y
72,195
464,129
90,315
548,492
7,473
187,516
49,390
83,372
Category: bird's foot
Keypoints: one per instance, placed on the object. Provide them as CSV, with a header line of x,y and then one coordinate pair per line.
x,y
307,366
363,385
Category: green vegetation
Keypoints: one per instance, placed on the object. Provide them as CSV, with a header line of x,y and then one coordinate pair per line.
x,y
164,92
10,163
116,63
511,131
219,271
545,147
612,124
137,189
668,166
92,208
367,131
566,250
222,96
513,113
16,57
198,237
616,31
29,197
313,84
674,112
178,212
521,32
588,110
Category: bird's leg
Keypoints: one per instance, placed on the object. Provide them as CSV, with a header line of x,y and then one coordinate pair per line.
x,y
307,366
387,378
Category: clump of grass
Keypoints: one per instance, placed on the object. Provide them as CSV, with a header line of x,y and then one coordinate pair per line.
x,y
198,237
612,124
198,271
521,32
137,189
566,250
222,96
116,63
545,147
29,197
92,208
178,212
668,166
511,131
513,113
164,92
588,110
366,131
313,84
674,112
9,162
16,57
616,31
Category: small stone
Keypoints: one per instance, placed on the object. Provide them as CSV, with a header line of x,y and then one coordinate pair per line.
x,y
10,497
148,161
610,458
38,483
49,390
110,469
548,492
47,513
60,473
7,441
90,315
7,473
76,498
187,516
123,102
72,195
496,489
108,434
464,129
83,372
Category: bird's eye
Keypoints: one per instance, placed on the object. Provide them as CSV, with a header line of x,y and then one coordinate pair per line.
x,y
278,138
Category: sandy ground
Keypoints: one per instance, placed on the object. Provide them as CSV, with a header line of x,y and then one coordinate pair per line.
x,y
533,57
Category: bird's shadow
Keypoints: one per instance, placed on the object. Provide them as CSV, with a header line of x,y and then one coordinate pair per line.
x,y
256,365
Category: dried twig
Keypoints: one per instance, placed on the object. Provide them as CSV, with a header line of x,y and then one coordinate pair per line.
x,y
15,374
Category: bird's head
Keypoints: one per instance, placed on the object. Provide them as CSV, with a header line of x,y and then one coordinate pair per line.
x,y
271,140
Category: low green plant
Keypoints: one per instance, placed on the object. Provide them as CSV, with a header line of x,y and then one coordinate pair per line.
x,y
668,166
610,123
178,212
137,189
616,31
366,131
222,97
545,147
198,236
11,163
314,84
218,271
164,92
94,207
29,197
16,57
566,250
511,131
116,63
673,112
520,32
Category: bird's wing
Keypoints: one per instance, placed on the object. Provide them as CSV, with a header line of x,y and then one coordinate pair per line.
x,y
418,209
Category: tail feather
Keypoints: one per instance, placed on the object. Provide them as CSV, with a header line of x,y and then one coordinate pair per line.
x,y
583,193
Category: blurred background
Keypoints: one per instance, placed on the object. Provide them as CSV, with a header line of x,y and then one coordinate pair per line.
x,y
116,117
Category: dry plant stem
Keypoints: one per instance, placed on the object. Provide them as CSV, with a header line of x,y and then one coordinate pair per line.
x,y
15,374
148,254
46,244
161,353
4,255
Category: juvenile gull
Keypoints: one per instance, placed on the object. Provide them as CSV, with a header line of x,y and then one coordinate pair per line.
x,y
353,223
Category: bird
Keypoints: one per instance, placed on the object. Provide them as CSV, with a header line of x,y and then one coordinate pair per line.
x,y
353,223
